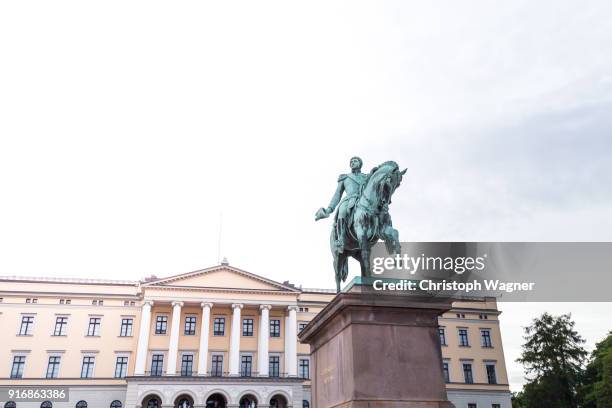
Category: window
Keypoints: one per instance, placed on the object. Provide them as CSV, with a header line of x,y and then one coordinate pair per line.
x,y
28,300
187,365
161,324
88,367
304,368
10,404
247,327
463,338
446,372
485,338
157,365
27,324
472,405
116,404
53,366
18,366
61,323
46,404
442,332
121,367
81,404
274,367
216,368
301,327
34,300
491,376
305,404
246,365
153,403
126,327
495,406
467,373
274,328
190,326
94,326
219,326
61,301
68,301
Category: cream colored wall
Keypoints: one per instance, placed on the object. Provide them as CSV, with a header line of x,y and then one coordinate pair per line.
x,y
109,343
474,312
71,347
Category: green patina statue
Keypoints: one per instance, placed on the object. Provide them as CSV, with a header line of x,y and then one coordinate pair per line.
x,y
363,215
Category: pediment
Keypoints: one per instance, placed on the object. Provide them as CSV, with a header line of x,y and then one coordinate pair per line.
x,y
222,276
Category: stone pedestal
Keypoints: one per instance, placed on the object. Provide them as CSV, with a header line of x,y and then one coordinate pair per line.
x,y
377,349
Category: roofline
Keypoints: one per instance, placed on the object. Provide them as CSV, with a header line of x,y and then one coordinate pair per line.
x,y
62,280
221,267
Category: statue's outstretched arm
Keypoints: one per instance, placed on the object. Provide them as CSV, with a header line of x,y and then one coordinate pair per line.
x,y
325,212
336,198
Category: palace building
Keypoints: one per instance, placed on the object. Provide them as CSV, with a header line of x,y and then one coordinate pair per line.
x,y
213,338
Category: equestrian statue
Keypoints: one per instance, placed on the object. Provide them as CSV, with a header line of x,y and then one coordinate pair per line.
x,y
362,217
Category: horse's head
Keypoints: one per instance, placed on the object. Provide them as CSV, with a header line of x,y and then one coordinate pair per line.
x,y
382,182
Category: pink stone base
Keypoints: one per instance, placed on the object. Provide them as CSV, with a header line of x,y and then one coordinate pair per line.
x,y
371,350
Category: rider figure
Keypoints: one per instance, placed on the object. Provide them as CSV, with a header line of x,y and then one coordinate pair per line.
x,y
351,183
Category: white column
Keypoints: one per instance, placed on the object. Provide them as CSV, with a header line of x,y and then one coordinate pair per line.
x,y
284,327
204,333
174,337
291,342
234,353
263,364
143,338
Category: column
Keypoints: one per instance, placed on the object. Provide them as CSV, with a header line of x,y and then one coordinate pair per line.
x,y
234,353
204,333
143,338
174,337
284,327
263,365
291,342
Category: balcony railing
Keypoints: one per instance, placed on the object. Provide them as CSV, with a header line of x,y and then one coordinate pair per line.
x,y
221,374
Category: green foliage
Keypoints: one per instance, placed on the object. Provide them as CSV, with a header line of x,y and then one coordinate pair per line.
x,y
596,389
553,357
518,401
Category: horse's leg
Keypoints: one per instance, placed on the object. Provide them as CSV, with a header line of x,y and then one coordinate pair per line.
x,y
390,235
362,229
340,267
337,270
391,238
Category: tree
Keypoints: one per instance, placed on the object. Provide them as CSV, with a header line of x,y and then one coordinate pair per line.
x,y
596,389
553,358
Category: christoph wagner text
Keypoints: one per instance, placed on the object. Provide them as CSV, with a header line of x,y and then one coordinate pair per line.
x,y
444,285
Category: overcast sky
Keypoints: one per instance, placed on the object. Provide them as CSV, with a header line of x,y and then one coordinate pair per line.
x,y
127,128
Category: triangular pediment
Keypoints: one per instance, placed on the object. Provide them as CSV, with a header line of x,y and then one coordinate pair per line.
x,y
222,276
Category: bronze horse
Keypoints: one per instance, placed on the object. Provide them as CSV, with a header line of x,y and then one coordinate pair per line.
x,y
369,222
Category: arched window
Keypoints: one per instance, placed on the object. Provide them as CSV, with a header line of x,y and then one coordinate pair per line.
x,y
184,403
116,404
46,404
153,403
216,401
305,404
81,404
10,404
248,401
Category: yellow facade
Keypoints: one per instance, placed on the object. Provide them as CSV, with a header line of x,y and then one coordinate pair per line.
x,y
223,292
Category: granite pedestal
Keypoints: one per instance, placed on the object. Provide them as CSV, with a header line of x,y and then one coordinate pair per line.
x,y
377,349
